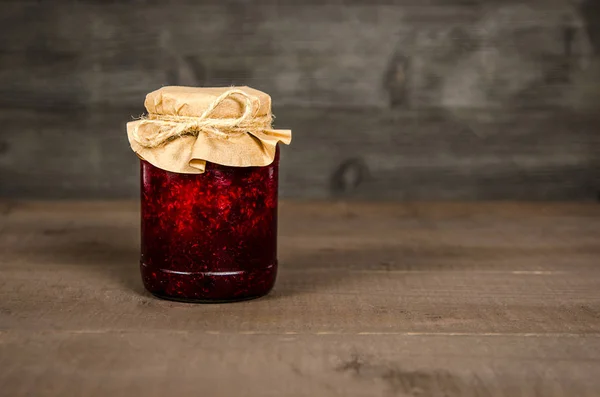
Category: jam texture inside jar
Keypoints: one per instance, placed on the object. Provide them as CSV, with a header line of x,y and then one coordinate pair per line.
x,y
209,237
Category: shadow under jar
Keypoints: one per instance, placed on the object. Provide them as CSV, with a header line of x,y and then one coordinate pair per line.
x,y
209,237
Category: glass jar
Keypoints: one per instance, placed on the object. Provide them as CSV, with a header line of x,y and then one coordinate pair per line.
x,y
209,237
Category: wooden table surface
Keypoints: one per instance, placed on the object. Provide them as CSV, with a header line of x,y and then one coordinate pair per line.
x,y
489,299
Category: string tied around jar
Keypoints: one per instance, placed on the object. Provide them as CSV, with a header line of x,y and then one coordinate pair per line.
x,y
171,127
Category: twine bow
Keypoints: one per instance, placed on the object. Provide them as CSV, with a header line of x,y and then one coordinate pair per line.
x,y
172,126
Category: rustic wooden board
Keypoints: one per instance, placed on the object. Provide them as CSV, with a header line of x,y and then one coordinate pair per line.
x,y
334,154
539,50
494,299
155,363
388,99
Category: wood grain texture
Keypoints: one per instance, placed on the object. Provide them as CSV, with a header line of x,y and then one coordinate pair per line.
x,y
442,54
388,99
335,154
493,299
156,363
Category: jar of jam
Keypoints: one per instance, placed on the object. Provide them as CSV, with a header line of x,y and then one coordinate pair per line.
x,y
208,229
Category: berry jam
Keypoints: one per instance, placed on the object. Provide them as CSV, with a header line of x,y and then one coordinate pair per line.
x,y
209,237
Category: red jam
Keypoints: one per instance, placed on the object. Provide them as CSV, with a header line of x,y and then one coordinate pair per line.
x,y
209,237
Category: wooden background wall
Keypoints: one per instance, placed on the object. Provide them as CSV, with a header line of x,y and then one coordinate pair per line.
x,y
405,99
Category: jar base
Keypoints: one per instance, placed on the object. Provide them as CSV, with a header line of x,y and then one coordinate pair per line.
x,y
206,301
209,287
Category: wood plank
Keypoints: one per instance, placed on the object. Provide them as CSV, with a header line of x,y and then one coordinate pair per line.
x,y
389,270
541,52
432,100
335,154
155,363
436,299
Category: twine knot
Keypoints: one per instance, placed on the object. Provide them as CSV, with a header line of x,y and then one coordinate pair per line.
x,y
173,126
